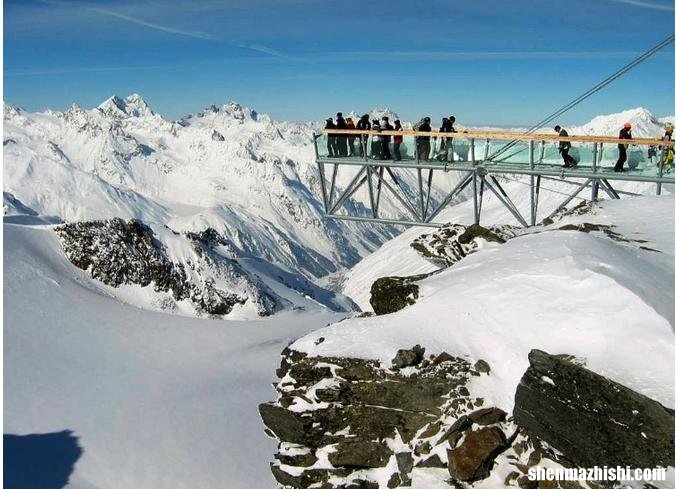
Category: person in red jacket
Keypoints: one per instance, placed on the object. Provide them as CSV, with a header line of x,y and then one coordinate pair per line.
x,y
625,133
397,141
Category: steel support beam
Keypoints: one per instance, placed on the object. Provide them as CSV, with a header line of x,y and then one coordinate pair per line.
x,y
505,200
570,198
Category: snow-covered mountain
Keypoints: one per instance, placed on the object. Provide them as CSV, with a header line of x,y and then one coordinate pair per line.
x,y
644,124
251,180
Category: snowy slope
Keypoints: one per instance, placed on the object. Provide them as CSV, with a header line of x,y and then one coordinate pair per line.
x,y
606,301
157,401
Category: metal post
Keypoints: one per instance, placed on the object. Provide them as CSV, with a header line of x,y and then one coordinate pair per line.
x,y
537,196
320,167
531,160
475,197
429,191
542,151
661,170
595,182
422,194
471,150
374,208
487,148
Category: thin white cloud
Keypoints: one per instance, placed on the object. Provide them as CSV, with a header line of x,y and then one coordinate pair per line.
x,y
152,25
650,5
164,28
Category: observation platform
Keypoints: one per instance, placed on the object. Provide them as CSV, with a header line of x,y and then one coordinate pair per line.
x,y
477,158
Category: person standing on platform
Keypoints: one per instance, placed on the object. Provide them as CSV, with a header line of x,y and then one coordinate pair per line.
x,y
397,140
564,148
423,142
341,140
363,125
386,139
376,142
668,154
350,139
330,138
625,133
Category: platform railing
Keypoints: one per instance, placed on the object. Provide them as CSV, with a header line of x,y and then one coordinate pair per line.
x,y
472,153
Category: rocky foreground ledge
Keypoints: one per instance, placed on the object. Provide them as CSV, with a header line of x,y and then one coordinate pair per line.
x,y
352,423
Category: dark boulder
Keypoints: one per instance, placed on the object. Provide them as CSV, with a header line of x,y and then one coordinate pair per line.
x,y
488,416
360,454
391,294
408,358
591,419
473,459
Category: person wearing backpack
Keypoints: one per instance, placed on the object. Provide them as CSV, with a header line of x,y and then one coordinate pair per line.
x,y
564,148
423,142
625,133
397,140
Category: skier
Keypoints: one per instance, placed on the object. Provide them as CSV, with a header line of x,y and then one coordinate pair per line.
x,y
397,140
386,139
564,147
330,138
625,133
423,142
363,125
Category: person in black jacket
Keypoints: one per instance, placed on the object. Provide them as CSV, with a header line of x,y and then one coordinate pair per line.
x,y
564,147
330,138
625,133
446,143
386,126
341,141
363,125
423,142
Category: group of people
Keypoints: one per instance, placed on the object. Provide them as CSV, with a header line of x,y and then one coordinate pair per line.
x,y
356,145
625,133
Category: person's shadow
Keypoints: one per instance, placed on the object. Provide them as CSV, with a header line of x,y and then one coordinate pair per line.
x,y
43,461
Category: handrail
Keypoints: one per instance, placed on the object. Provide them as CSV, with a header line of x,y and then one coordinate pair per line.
x,y
506,135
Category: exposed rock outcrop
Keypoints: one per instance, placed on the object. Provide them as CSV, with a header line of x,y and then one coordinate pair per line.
x,y
116,252
591,419
363,418
453,242
391,294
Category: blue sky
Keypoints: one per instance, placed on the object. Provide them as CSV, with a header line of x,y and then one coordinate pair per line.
x,y
488,62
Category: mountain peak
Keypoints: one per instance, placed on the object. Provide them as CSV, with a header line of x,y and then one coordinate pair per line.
x,y
131,106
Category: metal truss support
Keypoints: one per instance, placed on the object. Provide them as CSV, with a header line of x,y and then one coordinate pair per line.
x,y
609,189
453,193
505,200
350,189
571,197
